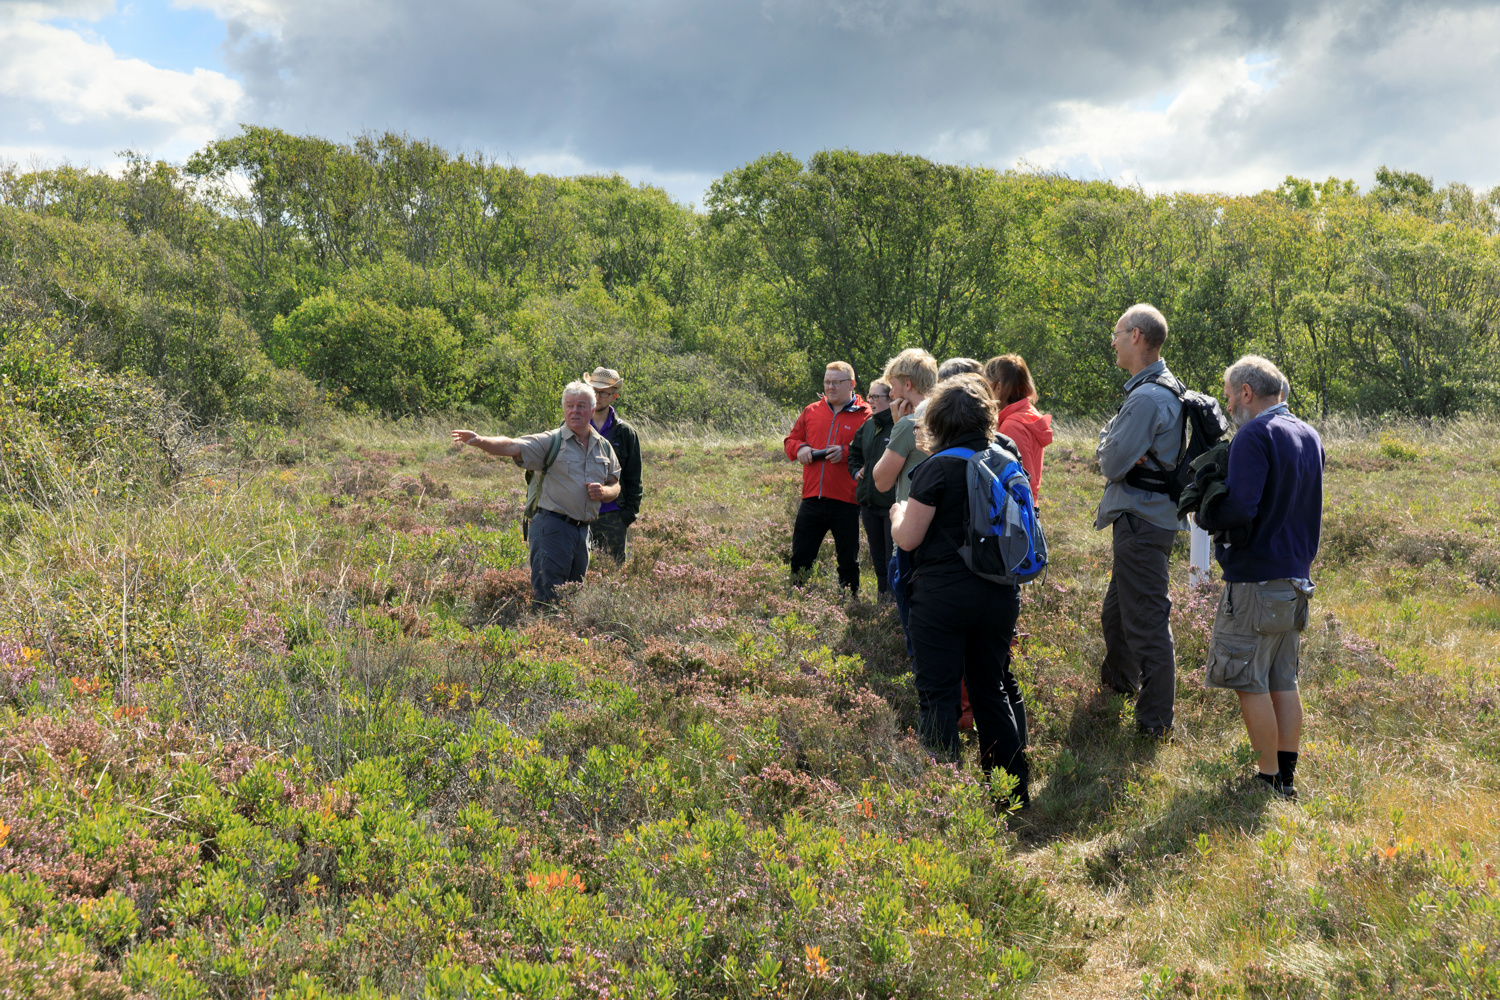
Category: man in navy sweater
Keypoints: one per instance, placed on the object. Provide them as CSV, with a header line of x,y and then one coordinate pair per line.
x,y
1275,486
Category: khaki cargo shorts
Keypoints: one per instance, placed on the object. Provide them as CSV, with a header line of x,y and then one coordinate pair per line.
x,y
1257,637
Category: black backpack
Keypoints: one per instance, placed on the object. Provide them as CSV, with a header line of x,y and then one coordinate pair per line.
x,y
1203,426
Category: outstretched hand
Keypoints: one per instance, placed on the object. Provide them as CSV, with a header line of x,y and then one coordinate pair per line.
x,y
463,437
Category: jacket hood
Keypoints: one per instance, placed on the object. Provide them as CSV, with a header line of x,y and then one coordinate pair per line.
x,y
1024,419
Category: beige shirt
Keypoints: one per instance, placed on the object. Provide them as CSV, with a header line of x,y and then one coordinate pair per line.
x,y
578,463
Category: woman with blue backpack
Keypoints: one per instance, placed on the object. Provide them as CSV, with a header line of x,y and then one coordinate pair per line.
x,y
970,526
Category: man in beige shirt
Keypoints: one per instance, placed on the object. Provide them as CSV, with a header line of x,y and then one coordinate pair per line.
x,y
583,473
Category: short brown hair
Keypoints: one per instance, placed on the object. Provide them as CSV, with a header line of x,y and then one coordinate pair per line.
x,y
1148,319
1009,379
841,366
916,366
961,406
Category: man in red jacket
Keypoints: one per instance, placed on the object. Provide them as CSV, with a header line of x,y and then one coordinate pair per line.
x,y
820,440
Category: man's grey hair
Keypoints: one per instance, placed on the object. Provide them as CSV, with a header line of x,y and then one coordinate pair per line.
x,y
959,366
1263,377
579,389
1149,320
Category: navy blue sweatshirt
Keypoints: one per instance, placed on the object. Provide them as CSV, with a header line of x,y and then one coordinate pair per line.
x,y
1275,485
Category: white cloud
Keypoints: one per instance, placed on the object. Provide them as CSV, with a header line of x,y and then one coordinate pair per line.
x,y
72,97
1180,145
1349,90
263,15
684,186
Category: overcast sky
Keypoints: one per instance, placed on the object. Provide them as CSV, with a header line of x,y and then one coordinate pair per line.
x,y
1230,95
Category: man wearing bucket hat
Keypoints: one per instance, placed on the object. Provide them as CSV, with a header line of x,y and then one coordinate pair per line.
x,y
609,528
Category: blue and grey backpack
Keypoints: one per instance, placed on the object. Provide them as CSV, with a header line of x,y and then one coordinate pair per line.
x,y
1003,541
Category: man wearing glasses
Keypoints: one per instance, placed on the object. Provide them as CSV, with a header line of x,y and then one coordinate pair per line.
x,y
609,528
820,440
1148,433
874,505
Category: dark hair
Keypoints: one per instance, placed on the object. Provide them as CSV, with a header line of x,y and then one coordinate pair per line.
x,y
1009,379
958,407
958,366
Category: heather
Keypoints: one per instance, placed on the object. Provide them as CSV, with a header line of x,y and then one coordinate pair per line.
x,y
284,724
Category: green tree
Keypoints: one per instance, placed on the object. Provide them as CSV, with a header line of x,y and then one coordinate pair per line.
x,y
868,254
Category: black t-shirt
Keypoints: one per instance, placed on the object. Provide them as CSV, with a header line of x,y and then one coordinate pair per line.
x,y
941,483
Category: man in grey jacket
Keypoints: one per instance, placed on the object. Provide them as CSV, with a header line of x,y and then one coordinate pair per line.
x,y
1146,434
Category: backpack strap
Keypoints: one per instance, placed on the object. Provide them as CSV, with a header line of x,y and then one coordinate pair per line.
x,y
1177,388
553,447
534,479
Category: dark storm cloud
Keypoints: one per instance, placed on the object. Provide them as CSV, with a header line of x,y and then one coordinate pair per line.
x,y
697,88
695,85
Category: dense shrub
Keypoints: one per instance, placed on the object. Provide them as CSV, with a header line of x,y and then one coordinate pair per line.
x,y
67,429
554,339
377,354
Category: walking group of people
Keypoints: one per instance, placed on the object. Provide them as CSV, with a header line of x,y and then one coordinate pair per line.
x,y
898,462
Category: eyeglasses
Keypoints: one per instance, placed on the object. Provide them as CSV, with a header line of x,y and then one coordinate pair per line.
x,y
880,395
836,381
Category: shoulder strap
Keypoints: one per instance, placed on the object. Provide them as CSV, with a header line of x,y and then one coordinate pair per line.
x,y
1175,387
553,447
964,453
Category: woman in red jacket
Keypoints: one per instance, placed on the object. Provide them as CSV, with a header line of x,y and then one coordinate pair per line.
x,y
1010,381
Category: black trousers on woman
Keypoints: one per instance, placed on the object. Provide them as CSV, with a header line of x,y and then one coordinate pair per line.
x,y
962,630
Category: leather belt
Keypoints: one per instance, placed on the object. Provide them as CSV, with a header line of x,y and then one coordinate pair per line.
x,y
573,521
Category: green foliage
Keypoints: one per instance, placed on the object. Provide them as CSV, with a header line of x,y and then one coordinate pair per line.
x,y
393,360
1376,302
68,428
552,341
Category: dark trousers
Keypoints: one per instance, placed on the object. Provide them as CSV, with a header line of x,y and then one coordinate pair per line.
x,y
899,577
1138,654
559,554
962,631
607,533
816,517
878,533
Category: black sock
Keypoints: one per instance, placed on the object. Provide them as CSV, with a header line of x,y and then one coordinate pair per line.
x,y
1269,779
1287,761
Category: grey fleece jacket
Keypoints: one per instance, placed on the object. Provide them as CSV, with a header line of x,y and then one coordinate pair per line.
x,y
1150,421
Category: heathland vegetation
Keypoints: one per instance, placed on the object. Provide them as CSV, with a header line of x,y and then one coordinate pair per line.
x,y
290,730
277,719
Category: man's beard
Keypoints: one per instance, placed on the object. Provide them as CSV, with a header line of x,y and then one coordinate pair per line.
x,y
1240,414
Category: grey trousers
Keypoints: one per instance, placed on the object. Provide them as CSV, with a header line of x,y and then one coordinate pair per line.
x,y
1138,654
559,554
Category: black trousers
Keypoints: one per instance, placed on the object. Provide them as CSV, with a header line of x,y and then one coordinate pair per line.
x,y
607,533
816,517
878,533
962,630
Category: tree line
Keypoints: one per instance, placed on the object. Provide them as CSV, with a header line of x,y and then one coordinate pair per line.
x,y
273,270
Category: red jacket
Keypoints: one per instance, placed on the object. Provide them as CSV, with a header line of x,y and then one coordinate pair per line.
x,y
1031,431
819,427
